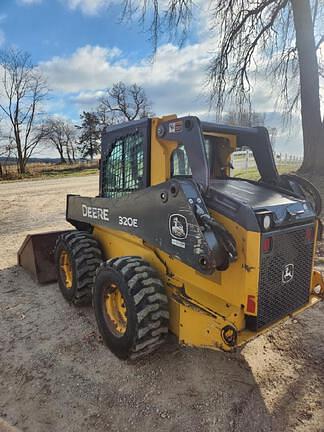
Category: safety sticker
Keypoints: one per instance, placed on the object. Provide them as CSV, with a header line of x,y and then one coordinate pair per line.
x,y
178,226
178,243
175,127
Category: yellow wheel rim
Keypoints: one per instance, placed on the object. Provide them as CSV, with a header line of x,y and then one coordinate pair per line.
x,y
66,269
116,310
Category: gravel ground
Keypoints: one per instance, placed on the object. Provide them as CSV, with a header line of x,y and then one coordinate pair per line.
x,y
56,375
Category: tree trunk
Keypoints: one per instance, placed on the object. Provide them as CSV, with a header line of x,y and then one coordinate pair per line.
x,y
68,154
25,160
313,130
61,153
73,153
91,149
21,164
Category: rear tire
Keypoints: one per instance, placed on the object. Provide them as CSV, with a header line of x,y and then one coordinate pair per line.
x,y
138,323
77,257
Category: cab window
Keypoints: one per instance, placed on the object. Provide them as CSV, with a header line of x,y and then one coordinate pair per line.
x,y
179,162
244,165
218,150
123,168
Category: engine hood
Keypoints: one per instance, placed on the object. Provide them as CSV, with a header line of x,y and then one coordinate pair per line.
x,y
244,202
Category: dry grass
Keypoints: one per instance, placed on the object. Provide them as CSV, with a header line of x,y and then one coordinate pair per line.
x,y
47,170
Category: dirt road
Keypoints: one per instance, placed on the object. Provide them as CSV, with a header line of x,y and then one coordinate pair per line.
x,y
55,374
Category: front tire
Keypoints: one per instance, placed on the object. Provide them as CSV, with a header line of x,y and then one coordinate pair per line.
x,y
131,307
77,257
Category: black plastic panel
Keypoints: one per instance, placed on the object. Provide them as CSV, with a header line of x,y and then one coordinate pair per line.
x,y
239,200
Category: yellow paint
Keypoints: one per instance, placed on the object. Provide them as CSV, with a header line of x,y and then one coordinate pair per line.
x,y
161,154
116,310
195,300
66,268
243,278
317,280
198,328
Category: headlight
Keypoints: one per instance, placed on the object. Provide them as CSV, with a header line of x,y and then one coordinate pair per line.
x,y
266,222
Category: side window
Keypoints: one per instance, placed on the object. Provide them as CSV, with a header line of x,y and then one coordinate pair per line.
x,y
244,164
218,151
123,169
179,162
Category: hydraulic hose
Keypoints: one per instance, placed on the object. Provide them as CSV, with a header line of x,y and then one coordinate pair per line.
x,y
225,238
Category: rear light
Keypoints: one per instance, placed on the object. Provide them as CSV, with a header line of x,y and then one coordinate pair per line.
x,y
265,219
250,307
266,222
267,245
309,234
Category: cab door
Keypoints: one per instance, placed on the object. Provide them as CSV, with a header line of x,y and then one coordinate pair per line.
x,y
125,155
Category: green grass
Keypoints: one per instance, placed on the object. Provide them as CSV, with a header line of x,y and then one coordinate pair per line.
x,y
253,173
249,174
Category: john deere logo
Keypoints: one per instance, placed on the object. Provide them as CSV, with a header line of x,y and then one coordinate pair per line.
x,y
178,226
288,273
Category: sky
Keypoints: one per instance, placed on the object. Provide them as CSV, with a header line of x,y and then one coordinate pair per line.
x,y
82,47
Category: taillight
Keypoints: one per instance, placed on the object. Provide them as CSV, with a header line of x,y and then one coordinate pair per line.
x,y
250,307
267,245
309,234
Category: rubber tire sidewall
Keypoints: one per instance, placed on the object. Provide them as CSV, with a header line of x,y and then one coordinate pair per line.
x,y
68,293
122,345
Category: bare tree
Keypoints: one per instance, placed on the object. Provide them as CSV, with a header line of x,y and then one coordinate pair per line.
x,y
250,118
274,36
6,151
123,103
244,118
23,89
3,150
176,17
71,141
61,135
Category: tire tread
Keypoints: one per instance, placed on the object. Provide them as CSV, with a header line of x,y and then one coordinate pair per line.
x,y
150,300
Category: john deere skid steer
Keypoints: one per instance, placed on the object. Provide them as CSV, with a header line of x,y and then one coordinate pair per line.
x,y
174,242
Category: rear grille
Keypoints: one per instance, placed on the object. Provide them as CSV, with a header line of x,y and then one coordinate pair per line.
x,y
279,295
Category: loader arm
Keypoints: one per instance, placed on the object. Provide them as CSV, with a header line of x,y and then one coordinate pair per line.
x,y
185,236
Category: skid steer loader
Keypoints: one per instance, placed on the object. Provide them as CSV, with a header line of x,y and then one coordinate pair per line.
x,y
174,242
